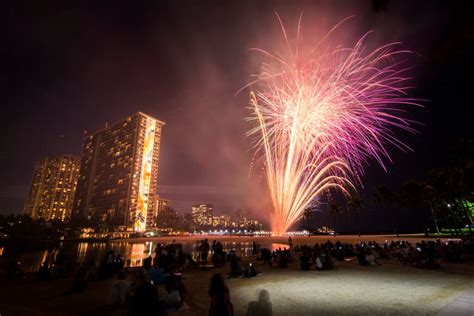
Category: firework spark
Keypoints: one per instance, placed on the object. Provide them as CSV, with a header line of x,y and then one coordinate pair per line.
x,y
319,117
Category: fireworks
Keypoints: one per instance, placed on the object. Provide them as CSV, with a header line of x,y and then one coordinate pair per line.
x,y
319,117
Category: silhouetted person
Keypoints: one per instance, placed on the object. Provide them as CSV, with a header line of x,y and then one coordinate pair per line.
x,y
204,250
59,263
250,271
145,298
171,297
44,271
266,256
361,257
147,263
120,289
191,261
235,269
262,307
254,248
80,280
14,270
220,297
158,250
305,263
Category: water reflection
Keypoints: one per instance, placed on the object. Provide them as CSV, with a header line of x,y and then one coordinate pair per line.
x,y
133,253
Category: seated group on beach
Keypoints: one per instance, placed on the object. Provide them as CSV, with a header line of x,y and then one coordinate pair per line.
x,y
158,284
425,254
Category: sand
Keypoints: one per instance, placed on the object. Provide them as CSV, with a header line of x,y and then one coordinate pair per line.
x,y
388,289
354,290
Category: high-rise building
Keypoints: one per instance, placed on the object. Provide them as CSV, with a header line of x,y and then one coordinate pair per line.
x,y
119,173
202,214
160,205
52,188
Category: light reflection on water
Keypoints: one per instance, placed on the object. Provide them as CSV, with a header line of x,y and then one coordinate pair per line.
x,y
134,253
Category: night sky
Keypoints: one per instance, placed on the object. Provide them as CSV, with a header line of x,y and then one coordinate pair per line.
x,y
68,67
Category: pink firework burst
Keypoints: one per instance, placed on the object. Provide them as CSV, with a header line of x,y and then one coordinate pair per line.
x,y
319,117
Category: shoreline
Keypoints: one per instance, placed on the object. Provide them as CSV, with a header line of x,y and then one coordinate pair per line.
x,y
297,240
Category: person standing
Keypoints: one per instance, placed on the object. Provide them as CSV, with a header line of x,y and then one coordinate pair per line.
x,y
254,248
204,250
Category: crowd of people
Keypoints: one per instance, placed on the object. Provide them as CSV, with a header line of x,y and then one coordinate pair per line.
x,y
425,254
155,288
158,285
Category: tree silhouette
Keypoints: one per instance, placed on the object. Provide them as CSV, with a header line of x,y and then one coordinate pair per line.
x,y
354,204
334,210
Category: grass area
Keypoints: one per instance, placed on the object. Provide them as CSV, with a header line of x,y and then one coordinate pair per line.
x,y
447,232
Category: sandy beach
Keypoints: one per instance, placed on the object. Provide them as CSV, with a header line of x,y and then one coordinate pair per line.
x,y
388,289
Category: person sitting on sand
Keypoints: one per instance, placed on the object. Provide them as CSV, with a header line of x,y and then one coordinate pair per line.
x,y
44,271
80,280
120,289
361,257
266,256
235,269
191,261
370,258
305,263
251,271
318,263
171,297
262,307
220,297
145,297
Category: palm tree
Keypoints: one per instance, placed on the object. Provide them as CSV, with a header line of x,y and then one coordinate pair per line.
x,y
447,189
383,196
459,185
428,195
410,196
355,205
334,210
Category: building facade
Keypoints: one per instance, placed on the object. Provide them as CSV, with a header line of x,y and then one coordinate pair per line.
x,y
52,188
202,214
119,173
159,205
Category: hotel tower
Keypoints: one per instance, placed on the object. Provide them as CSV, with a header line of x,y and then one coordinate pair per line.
x,y
52,188
119,172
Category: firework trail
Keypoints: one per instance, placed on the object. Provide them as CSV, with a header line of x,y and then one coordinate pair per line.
x,y
318,117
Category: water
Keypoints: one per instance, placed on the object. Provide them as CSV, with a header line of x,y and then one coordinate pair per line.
x,y
133,252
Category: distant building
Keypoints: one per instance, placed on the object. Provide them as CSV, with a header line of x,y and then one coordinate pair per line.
x,y
52,188
159,206
202,214
119,172
225,220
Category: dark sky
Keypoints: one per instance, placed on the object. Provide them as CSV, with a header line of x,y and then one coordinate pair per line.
x,y
71,66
